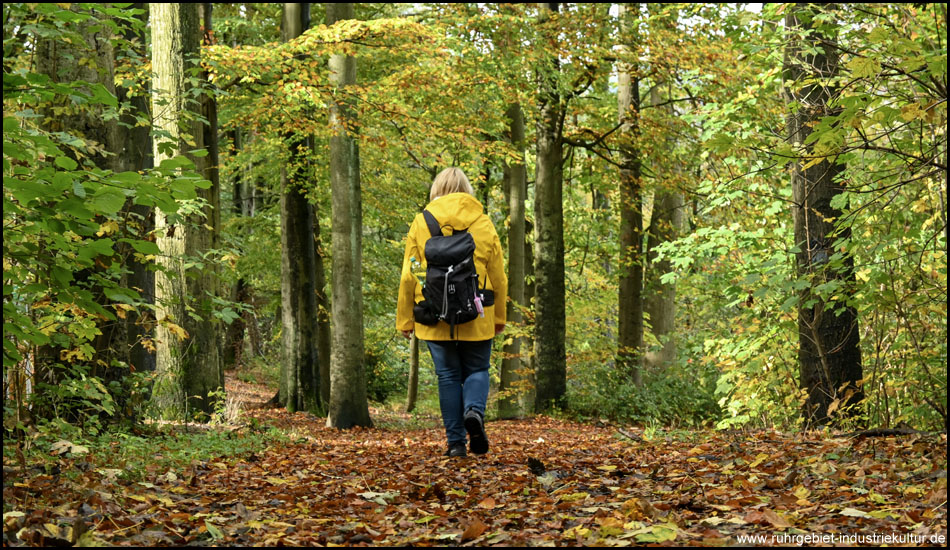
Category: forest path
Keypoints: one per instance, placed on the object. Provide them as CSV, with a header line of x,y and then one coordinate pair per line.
x,y
545,481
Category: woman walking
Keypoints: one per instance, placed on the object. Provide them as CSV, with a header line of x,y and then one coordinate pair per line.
x,y
460,346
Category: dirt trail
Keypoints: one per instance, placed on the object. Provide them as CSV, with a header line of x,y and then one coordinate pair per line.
x,y
545,481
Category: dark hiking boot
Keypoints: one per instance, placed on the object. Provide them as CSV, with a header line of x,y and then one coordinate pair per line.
x,y
475,426
456,449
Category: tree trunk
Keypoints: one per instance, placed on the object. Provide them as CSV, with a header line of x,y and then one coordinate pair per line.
x,y
92,61
209,107
234,335
413,389
324,335
348,403
136,156
300,363
666,223
829,354
511,404
549,345
89,60
189,366
530,363
660,298
630,295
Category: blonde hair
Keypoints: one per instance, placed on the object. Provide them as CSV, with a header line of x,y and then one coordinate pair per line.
x,y
450,180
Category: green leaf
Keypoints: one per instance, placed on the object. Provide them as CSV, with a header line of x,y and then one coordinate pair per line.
x,y
864,67
144,247
215,533
122,295
75,208
62,276
102,247
66,163
170,165
107,200
126,178
101,95
24,190
9,123
656,533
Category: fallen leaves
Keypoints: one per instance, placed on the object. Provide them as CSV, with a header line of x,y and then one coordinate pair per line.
x,y
62,447
546,482
487,504
474,530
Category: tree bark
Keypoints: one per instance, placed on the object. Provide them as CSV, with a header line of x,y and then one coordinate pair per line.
x,y
511,404
348,403
829,353
209,106
413,389
660,298
65,62
189,367
234,335
630,294
300,363
324,334
666,223
549,343
137,155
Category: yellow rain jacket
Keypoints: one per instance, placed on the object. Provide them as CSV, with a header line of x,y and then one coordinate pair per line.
x,y
459,211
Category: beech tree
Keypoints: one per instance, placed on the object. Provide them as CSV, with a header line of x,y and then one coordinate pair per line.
x,y
187,356
549,345
300,361
348,403
829,353
512,367
630,292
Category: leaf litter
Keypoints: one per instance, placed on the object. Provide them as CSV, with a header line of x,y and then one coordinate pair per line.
x,y
545,482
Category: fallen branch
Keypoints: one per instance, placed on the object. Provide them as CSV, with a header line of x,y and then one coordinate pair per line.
x,y
886,432
630,436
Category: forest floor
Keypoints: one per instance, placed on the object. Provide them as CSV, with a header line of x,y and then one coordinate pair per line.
x,y
544,482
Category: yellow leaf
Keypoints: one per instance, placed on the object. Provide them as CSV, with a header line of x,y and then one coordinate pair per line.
x,y
63,532
911,112
576,531
759,459
176,330
107,228
833,406
121,309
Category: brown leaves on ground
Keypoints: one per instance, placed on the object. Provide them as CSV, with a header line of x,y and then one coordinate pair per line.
x,y
544,482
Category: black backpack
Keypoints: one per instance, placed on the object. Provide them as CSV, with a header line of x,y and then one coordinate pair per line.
x,y
450,292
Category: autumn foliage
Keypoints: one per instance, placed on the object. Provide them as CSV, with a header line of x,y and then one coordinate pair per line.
x,y
545,481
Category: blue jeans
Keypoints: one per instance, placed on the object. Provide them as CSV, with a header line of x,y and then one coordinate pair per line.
x,y
462,368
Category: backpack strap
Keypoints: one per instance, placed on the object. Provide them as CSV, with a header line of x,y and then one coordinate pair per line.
x,y
434,228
